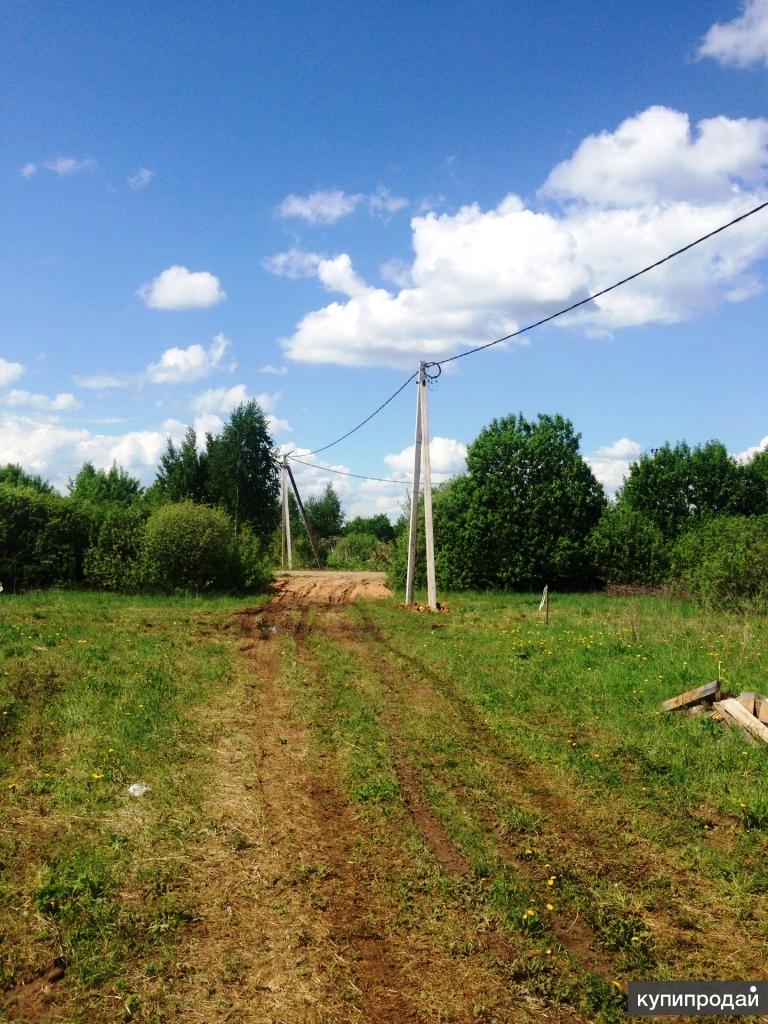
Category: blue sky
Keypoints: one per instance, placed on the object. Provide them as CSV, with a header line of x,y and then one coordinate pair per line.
x,y
204,203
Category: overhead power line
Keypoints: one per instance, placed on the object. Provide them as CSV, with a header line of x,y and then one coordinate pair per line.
x,y
524,330
603,291
342,472
367,419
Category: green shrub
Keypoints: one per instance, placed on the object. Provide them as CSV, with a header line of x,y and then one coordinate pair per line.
x,y
114,562
723,564
42,539
190,547
254,558
360,551
627,547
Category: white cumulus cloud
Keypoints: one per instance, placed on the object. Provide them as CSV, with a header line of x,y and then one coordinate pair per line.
x,y
611,463
179,288
9,372
622,201
655,156
447,458
749,453
61,403
740,42
180,365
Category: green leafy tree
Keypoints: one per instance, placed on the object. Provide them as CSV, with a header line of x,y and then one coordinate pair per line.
x,y
377,526
242,474
326,521
100,486
522,515
183,471
325,514
13,474
678,487
534,502
754,497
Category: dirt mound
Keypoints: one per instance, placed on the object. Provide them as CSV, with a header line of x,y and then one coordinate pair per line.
x,y
300,588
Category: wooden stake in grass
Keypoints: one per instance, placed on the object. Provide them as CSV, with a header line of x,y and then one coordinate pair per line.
x,y
544,605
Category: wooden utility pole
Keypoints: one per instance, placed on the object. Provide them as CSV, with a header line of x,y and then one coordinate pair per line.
x,y
421,462
304,519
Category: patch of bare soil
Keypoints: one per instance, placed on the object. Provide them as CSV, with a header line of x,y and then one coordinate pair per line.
x,y
329,588
33,1000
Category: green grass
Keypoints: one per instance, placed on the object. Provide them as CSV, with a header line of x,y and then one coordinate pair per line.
x,y
97,692
540,750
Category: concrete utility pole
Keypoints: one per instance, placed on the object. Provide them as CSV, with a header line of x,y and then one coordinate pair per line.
x,y
421,463
287,554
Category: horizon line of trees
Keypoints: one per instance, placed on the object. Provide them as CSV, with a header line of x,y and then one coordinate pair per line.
x,y
527,511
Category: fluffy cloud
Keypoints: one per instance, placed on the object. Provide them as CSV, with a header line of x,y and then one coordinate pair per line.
x,y
141,178
338,276
9,372
447,458
64,166
180,365
61,403
179,288
749,453
322,207
742,41
611,463
279,371
224,400
293,263
655,157
622,201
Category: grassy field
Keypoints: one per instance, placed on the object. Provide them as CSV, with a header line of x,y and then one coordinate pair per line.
x,y
365,814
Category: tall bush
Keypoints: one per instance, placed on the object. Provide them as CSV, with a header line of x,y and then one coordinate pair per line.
x,y
724,563
627,547
114,562
190,547
43,538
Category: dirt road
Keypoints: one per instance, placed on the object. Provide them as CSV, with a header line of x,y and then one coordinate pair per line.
x,y
341,900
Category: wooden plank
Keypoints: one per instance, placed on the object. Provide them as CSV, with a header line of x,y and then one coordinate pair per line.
x,y
747,701
763,712
742,717
685,700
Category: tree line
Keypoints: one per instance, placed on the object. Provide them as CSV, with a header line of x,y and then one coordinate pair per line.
x,y
527,511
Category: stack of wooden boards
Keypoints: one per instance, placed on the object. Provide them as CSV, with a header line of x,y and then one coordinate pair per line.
x,y
746,710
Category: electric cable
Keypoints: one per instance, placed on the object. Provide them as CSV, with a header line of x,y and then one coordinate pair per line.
x,y
367,419
342,472
603,291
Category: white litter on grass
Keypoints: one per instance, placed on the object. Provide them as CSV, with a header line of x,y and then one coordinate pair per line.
x,y
138,789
